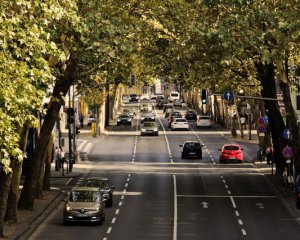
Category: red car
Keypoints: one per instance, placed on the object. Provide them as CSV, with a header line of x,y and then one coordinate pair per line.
x,y
231,152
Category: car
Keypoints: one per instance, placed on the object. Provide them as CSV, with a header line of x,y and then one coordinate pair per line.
x,y
147,116
127,111
297,191
149,128
146,107
173,96
144,97
204,121
190,115
178,103
160,103
125,99
124,119
168,106
191,149
174,115
180,123
133,98
104,186
84,204
230,153
168,112
91,119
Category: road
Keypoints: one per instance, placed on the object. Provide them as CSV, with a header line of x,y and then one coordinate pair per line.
x,y
160,196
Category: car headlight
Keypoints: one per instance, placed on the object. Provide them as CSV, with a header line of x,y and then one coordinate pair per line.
x,y
142,118
96,209
129,120
68,208
143,130
155,129
118,120
152,118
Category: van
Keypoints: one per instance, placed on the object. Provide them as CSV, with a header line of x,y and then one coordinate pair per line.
x,y
173,96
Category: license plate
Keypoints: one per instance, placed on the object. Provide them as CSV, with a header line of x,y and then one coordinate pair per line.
x,y
232,158
192,153
82,215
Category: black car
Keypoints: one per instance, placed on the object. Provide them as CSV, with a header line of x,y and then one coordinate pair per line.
x,y
104,186
191,115
160,104
124,119
297,191
191,149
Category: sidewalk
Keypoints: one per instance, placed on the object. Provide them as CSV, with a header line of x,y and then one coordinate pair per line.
x,y
30,220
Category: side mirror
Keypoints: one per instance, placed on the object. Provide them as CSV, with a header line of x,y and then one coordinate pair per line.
x,y
202,145
180,145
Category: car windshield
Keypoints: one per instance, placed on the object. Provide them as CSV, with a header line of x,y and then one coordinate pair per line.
x,y
102,184
231,148
124,116
174,94
176,114
148,115
126,110
149,124
84,196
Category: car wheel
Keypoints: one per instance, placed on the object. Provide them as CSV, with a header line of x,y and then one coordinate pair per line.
x,y
182,156
156,134
221,161
66,223
118,124
298,203
200,156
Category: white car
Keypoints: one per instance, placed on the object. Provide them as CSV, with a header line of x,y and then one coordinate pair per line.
x,y
180,123
204,121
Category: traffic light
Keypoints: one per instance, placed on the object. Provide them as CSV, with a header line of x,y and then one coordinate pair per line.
x,y
132,79
71,115
203,96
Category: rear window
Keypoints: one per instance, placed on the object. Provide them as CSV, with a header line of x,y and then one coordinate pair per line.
x,y
192,145
231,148
174,94
204,118
149,124
180,120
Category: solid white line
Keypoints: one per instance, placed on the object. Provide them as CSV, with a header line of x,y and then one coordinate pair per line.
x,y
120,204
244,232
175,209
237,213
167,142
113,220
232,201
88,147
240,221
117,211
69,181
109,230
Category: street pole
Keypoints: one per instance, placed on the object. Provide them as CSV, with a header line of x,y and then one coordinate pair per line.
x,y
69,128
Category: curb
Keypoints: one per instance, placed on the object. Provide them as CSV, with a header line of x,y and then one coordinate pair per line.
x,y
27,230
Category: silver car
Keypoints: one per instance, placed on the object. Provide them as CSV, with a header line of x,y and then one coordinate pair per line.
x,y
85,204
149,128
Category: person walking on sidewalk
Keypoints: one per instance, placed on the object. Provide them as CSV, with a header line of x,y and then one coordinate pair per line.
x,y
57,158
269,154
61,154
81,119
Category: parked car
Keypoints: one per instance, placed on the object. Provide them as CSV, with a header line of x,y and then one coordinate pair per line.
x,y
297,191
174,115
204,121
191,149
180,123
147,116
127,111
149,128
85,204
104,186
230,153
91,119
124,119
190,115
133,98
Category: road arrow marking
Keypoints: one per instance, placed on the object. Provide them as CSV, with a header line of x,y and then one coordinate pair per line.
x,y
205,204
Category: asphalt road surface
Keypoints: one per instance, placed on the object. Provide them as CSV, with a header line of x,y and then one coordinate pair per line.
x,y
158,195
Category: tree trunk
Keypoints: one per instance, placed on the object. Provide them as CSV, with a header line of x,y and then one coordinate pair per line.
x,y
61,87
291,115
266,76
47,172
11,215
5,179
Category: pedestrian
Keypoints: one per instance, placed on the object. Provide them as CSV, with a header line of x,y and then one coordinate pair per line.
x,y
81,118
269,154
57,159
61,156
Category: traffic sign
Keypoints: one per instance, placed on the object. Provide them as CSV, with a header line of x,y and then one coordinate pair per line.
x,y
228,95
260,121
261,129
266,119
286,134
287,152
